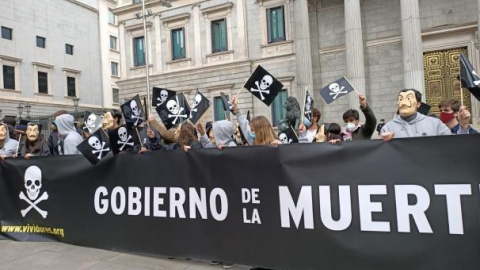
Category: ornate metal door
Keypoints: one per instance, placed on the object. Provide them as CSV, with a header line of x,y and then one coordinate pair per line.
x,y
442,69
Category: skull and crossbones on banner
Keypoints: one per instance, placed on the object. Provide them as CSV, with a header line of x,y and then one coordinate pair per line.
x,y
162,98
175,110
262,86
33,184
196,102
98,147
336,90
136,111
284,138
125,138
308,106
90,123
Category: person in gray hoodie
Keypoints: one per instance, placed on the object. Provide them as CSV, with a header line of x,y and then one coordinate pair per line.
x,y
8,146
222,132
69,135
410,123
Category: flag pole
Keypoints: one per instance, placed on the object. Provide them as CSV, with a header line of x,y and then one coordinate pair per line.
x,y
358,93
460,76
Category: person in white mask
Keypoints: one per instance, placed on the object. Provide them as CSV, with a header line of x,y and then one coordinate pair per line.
x,y
353,130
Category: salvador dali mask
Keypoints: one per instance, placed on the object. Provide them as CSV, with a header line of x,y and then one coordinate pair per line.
x,y
407,103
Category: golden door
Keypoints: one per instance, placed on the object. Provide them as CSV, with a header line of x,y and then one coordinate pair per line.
x,y
442,69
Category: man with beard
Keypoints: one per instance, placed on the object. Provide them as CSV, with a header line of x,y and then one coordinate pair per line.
x,y
410,123
34,144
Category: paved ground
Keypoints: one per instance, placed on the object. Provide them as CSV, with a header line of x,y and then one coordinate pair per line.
x,y
58,256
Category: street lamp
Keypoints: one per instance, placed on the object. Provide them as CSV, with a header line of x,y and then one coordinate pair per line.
x,y
75,102
28,107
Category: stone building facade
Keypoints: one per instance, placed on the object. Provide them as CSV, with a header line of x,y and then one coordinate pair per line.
x,y
382,46
52,51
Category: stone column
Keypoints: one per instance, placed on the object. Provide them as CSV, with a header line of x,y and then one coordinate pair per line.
x,y
413,73
123,52
354,50
158,45
241,34
304,74
197,37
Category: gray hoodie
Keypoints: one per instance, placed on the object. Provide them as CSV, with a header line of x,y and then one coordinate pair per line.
x,y
9,146
222,132
70,136
420,126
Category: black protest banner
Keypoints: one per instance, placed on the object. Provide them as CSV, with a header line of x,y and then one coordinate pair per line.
x,y
175,111
95,147
199,107
92,121
360,205
336,89
469,77
161,95
133,111
263,85
121,139
288,136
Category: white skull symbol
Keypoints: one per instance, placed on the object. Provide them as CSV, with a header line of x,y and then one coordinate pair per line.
x,y
283,137
91,119
94,143
33,182
163,95
266,82
134,107
172,106
334,87
198,99
122,133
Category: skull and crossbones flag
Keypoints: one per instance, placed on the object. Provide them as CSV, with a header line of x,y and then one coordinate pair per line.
x,y
227,106
288,136
121,139
96,147
199,107
308,107
92,121
133,111
336,89
263,85
175,111
469,77
161,95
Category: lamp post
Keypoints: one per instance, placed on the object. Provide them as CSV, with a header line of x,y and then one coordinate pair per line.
x,y
75,103
28,107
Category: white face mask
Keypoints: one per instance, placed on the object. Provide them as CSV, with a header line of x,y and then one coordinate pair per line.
x,y
350,127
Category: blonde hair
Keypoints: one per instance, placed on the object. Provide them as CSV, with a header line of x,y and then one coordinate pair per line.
x,y
264,133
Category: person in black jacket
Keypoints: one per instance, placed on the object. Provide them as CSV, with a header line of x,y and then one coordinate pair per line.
x,y
353,130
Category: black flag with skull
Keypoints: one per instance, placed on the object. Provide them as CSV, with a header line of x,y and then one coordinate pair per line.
x,y
161,95
336,89
96,147
133,111
92,121
288,136
263,85
469,77
175,111
199,107
308,109
121,139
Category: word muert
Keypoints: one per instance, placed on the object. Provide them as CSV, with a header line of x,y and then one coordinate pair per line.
x,y
411,202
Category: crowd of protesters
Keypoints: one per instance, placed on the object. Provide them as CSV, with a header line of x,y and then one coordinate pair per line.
x,y
408,122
